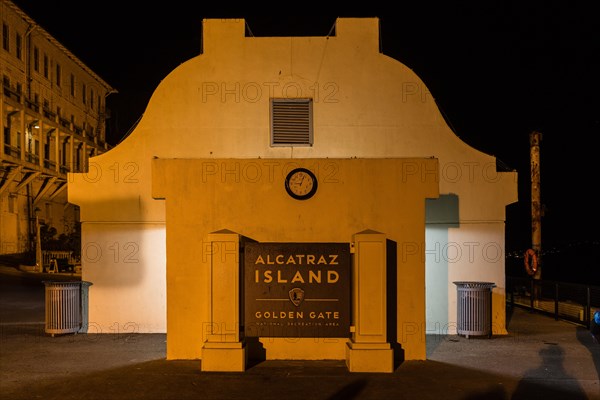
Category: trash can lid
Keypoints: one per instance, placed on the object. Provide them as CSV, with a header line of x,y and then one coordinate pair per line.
x,y
67,283
472,284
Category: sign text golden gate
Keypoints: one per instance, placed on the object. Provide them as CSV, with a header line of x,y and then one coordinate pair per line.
x,y
297,289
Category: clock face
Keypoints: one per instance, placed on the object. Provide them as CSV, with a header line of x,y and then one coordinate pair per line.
x,y
301,184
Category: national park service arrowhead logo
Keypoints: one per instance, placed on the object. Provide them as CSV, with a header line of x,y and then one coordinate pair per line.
x,y
296,296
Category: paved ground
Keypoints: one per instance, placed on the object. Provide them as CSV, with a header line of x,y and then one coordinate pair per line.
x,y
540,359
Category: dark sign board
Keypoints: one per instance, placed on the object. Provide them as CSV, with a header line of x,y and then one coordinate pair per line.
x,y
297,290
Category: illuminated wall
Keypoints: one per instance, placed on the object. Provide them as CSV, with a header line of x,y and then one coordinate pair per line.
x,y
217,106
353,195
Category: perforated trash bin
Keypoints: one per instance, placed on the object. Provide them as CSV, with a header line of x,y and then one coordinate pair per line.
x,y
474,308
66,307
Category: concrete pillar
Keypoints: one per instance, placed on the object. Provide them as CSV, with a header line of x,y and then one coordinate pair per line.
x,y
224,348
22,141
368,349
40,145
57,146
71,150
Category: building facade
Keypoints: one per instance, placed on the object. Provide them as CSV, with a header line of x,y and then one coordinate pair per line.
x,y
53,112
210,157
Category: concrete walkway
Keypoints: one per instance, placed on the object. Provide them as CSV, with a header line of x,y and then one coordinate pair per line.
x,y
540,358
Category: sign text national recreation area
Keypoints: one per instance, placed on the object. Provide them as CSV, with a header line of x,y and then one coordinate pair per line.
x,y
297,290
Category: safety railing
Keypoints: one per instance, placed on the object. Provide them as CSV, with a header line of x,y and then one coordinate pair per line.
x,y
566,301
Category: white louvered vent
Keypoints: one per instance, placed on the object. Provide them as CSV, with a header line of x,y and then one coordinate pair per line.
x,y
291,122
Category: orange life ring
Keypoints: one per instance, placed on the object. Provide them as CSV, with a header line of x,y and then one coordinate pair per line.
x,y
531,262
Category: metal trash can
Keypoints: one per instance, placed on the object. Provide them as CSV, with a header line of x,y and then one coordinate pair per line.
x,y
474,308
66,307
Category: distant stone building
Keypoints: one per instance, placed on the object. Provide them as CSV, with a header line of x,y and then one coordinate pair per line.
x,y
53,116
210,158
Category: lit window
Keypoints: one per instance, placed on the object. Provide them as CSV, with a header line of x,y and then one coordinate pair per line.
x,y
46,66
5,38
58,75
19,46
36,59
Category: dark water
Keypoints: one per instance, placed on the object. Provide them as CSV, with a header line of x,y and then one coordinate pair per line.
x,y
573,263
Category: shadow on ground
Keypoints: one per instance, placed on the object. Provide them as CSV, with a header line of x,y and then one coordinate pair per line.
x,y
329,380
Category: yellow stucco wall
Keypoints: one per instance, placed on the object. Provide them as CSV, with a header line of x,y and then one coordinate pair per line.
x,y
215,106
250,199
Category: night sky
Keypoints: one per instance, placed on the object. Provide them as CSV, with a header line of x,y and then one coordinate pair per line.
x,y
498,71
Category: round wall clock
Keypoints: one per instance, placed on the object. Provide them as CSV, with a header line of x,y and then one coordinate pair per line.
x,y
301,184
